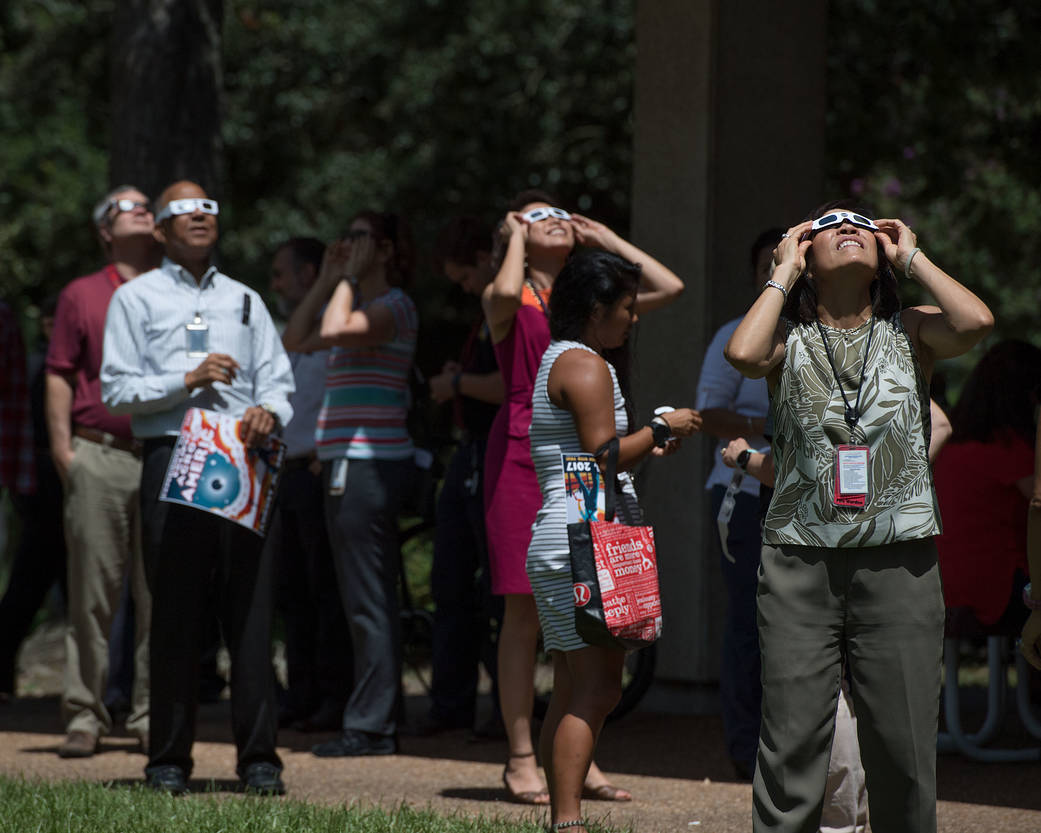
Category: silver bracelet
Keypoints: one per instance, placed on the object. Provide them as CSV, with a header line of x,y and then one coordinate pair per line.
x,y
776,285
910,257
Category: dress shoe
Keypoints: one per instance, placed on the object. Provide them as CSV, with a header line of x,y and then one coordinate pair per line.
x,y
263,779
353,743
168,779
78,745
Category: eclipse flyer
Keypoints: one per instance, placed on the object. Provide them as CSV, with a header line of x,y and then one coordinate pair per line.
x,y
211,469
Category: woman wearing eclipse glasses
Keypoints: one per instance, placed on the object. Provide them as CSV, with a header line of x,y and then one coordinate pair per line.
x,y
366,452
849,568
535,241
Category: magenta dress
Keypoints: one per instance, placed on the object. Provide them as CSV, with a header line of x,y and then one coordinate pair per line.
x,y
511,489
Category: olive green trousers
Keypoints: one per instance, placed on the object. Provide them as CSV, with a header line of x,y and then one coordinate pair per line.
x,y
881,610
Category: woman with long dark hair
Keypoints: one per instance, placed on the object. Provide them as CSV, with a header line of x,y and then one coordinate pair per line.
x,y
849,571
984,480
579,405
366,453
536,239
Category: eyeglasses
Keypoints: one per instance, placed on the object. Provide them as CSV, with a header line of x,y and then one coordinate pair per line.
x,y
356,234
123,206
188,206
837,218
544,213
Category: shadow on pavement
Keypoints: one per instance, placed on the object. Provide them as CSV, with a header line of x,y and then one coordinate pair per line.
x,y
670,746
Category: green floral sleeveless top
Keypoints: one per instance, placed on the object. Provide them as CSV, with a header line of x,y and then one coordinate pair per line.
x,y
808,416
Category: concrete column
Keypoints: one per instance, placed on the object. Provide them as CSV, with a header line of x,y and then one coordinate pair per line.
x,y
729,139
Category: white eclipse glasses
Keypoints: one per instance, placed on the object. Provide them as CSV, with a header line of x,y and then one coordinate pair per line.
x,y
125,205
544,213
188,206
837,218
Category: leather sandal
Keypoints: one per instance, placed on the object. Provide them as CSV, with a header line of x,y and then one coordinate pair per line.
x,y
537,797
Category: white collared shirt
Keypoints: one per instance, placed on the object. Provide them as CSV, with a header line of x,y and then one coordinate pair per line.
x,y
145,354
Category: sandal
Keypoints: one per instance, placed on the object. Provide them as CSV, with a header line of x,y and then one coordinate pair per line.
x,y
605,792
539,798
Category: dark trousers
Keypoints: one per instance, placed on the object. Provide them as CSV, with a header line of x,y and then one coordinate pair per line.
x,y
879,609
318,645
740,686
461,587
38,563
189,555
363,532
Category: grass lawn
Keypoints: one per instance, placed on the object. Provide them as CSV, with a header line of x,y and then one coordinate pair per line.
x,y
41,807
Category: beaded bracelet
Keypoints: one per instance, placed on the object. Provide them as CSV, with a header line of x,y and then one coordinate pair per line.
x,y
776,285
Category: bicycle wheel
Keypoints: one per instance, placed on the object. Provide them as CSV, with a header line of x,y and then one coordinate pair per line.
x,y
637,676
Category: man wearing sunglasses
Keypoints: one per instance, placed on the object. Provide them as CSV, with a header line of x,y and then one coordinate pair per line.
x,y
185,335
99,463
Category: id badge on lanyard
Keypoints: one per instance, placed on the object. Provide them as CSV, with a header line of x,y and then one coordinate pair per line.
x,y
851,476
197,338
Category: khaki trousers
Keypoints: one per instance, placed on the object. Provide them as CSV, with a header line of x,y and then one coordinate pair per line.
x,y
103,537
881,609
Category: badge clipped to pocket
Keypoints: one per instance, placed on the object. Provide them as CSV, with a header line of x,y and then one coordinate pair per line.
x,y
197,338
851,476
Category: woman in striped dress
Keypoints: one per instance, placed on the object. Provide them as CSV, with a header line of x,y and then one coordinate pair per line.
x,y
538,239
577,407
366,454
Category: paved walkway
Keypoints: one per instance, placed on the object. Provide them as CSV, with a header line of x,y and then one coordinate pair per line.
x,y
673,765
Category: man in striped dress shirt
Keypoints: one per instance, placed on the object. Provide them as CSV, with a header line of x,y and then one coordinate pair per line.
x,y
185,335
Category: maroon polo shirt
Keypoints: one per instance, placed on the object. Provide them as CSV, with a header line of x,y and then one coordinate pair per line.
x,y
75,348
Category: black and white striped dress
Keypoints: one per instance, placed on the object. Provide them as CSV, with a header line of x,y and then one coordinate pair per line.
x,y
553,433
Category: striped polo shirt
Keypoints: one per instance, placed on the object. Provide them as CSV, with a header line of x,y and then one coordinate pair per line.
x,y
364,410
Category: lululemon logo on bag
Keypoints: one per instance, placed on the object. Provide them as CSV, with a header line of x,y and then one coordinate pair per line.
x,y
582,594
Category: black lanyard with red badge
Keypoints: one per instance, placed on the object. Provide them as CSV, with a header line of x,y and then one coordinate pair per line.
x,y
851,461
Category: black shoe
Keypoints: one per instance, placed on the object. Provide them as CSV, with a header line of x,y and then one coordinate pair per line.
x,y
263,779
169,779
353,743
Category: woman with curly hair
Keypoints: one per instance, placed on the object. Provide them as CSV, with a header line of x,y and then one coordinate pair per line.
x,y
536,239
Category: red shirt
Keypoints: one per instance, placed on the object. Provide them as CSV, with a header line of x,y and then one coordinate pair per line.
x,y
75,348
984,514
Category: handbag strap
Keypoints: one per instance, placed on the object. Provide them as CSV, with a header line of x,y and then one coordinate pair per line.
x,y
610,476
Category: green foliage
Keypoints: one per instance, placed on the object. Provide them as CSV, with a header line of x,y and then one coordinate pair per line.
x,y
53,156
436,107
93,808
934,115
424,107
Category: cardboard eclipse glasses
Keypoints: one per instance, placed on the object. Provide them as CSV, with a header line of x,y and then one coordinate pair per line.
x,y
837,218
188,206
544,213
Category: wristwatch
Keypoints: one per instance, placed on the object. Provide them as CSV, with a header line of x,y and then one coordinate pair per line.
x,y
743,458
661,431
1030,601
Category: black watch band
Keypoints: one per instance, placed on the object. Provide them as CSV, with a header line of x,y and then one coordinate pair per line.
x,y
662,433
743,457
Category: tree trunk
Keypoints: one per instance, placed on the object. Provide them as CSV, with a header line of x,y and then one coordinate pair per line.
x,y
166,88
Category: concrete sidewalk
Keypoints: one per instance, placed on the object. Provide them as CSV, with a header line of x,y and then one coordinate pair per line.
x,y
674,765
